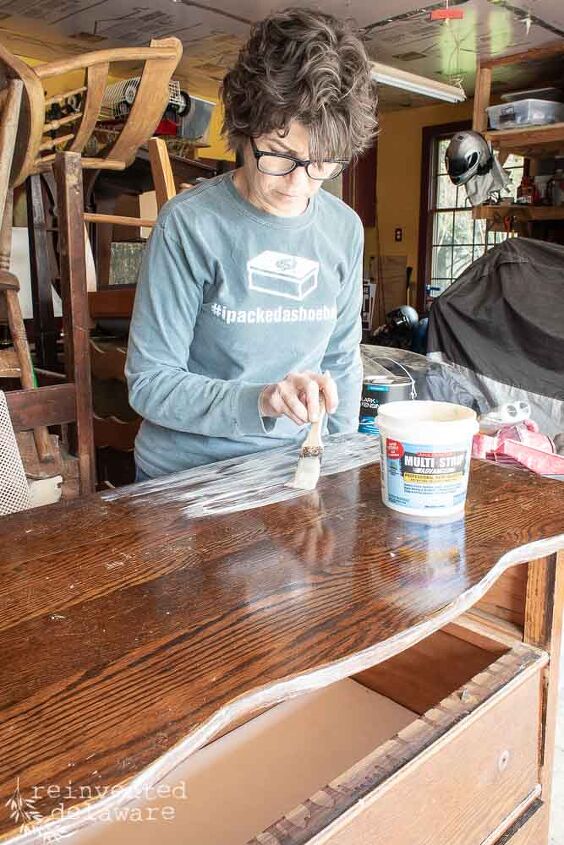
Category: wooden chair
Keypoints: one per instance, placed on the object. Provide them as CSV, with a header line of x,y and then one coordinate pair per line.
x,y
28,145
115,424
14,362
69,402
39,139
117,302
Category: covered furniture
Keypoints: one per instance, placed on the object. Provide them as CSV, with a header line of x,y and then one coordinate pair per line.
x,y
501,327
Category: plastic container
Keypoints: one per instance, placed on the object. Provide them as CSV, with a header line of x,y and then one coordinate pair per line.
x,y
379,390
195,124
529,112
426,449
554,94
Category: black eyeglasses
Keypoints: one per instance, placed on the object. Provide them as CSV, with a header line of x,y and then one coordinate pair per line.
x,y
280,164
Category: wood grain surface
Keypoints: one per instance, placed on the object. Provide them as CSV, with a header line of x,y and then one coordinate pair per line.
x,y
131,633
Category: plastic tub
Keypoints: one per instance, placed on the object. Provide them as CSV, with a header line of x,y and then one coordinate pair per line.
x,y
426,449
529,112
195,125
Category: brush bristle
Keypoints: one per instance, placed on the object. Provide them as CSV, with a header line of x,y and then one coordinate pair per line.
x,y
307,473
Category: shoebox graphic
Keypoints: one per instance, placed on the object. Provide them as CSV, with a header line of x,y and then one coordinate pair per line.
x,y
282,275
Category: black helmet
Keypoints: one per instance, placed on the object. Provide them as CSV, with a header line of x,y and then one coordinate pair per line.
x,y
467,154
404,317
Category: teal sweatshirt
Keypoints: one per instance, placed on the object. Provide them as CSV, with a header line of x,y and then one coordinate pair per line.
x,y
230,299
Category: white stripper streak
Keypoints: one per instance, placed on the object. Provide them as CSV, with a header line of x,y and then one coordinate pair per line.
x,y
248,482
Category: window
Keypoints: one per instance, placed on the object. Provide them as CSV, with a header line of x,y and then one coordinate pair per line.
x,y
455,239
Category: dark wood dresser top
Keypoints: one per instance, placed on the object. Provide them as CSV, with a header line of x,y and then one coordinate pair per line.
x,y
136,625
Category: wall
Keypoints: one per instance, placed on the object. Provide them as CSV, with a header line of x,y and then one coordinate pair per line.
x,y
218,147
399,175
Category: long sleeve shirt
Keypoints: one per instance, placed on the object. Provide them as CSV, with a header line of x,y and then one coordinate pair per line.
x,y
229,299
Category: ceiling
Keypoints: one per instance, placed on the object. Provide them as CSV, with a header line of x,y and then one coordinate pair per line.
x,y
397,32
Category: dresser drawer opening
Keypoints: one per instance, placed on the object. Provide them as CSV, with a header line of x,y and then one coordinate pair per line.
x,y
249,778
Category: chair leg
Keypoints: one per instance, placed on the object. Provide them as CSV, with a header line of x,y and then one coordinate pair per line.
x,y
17,330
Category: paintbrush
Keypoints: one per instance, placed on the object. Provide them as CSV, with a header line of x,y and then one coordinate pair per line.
x,y
309,461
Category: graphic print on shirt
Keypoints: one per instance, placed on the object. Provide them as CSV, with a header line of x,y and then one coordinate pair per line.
x,y
280,274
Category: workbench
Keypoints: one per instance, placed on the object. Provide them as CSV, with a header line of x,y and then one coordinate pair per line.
x,y
292,667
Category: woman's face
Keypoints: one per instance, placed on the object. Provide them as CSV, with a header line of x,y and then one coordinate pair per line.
x,y
286,196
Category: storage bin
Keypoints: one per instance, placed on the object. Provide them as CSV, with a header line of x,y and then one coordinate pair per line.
x,y
195,125
529,112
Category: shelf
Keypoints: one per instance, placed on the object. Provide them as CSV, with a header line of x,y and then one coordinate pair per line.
x,y
520,212
530,141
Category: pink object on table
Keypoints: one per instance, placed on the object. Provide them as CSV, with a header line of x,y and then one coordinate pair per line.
x,y
520,445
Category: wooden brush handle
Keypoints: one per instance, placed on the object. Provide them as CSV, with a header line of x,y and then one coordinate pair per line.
x,y
313,438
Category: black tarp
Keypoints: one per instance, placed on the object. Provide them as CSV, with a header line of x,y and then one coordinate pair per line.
x,y
503,318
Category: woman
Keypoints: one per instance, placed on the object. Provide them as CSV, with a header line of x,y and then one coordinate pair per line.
x,y
248,302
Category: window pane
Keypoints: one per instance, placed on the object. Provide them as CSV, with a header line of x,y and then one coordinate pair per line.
x,y
441,150
513,161
477,252
443,228
437,287
498,238
516,176
442,262
462,198
480,232
461,259
446,193
463,227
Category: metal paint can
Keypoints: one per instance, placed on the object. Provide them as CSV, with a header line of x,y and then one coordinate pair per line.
x,y
379,390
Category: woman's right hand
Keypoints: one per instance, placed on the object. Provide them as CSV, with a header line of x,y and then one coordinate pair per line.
x,y
297,397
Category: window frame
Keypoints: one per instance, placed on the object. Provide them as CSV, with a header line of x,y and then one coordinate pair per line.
x,y
429,135
359,185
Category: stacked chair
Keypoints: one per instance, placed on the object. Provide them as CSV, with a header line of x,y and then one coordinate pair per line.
x,y
32,144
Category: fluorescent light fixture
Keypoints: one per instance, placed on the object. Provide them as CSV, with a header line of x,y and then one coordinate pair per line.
x,y
396,78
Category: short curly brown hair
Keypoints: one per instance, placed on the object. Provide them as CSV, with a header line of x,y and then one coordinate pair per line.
x,y
306,66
